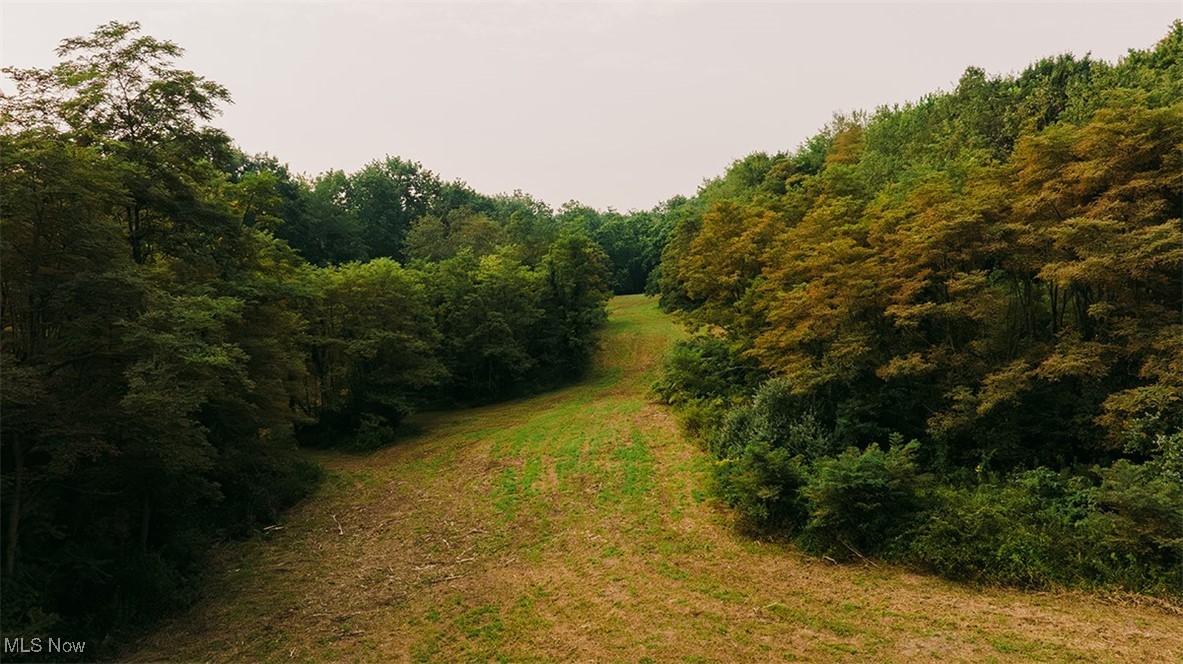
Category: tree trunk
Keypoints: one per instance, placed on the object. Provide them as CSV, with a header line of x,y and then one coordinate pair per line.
x,y
14,512
145,522
135,234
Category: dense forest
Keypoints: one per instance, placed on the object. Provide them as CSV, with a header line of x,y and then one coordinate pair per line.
x,y
946,333
178,316
992,273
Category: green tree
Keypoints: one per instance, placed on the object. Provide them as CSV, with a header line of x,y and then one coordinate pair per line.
x,y
385,198
576,284
122,93
372,343
66,283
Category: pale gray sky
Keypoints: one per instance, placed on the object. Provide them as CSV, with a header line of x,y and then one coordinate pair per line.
x,y
615,104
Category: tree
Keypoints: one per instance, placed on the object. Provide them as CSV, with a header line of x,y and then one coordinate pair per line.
x,y
372,345
994,269
576,285
66,283
490,308
121,93
385,198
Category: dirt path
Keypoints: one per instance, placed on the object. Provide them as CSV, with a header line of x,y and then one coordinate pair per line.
x,y
572,526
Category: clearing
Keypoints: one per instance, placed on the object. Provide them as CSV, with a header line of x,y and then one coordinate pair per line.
x,y
572,526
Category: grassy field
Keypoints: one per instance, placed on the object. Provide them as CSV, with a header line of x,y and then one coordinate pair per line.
x,y
573,526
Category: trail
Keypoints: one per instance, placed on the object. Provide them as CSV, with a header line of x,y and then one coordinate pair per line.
x,y
573,526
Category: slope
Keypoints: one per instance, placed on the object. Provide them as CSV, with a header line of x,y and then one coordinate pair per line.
x,y
572,526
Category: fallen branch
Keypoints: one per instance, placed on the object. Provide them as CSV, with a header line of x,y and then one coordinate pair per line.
x,y
340,530
856,552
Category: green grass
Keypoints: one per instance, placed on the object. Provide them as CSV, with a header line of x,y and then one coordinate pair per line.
x,y
577,525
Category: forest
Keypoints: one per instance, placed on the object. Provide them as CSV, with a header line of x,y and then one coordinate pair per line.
x,y
948,333
945,334
179,317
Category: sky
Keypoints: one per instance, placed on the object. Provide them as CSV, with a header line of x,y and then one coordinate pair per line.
x,y
615,104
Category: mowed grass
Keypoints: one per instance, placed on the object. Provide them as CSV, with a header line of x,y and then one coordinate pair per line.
x,y
571,526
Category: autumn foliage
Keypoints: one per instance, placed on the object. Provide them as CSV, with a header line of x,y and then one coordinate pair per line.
x,y
992,271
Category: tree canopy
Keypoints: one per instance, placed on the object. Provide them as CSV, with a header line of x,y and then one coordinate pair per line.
x,y
178,316
993,271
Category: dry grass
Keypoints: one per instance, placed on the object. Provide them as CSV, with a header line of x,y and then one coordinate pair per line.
x,y
571,526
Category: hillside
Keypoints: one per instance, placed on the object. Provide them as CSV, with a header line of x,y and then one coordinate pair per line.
x,y
572,525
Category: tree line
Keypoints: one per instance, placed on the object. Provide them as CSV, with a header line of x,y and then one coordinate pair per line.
x,y
992,272
177,316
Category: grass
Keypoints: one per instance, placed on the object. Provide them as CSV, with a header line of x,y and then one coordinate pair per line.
x,y
574,525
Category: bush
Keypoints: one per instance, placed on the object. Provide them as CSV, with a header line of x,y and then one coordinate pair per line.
x,y
779,417
704,377
372,432
737,430
764,484
862,502
1042,528
257,485
1141,517
1015,533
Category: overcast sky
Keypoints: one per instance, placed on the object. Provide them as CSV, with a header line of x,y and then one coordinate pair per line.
x,y
614,104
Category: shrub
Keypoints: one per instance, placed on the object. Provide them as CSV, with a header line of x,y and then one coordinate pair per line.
x,y
736,431
1142,513
373,432
779,417
1041,528
258,485
764,484
700,417
704,377
1018,533
862,502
